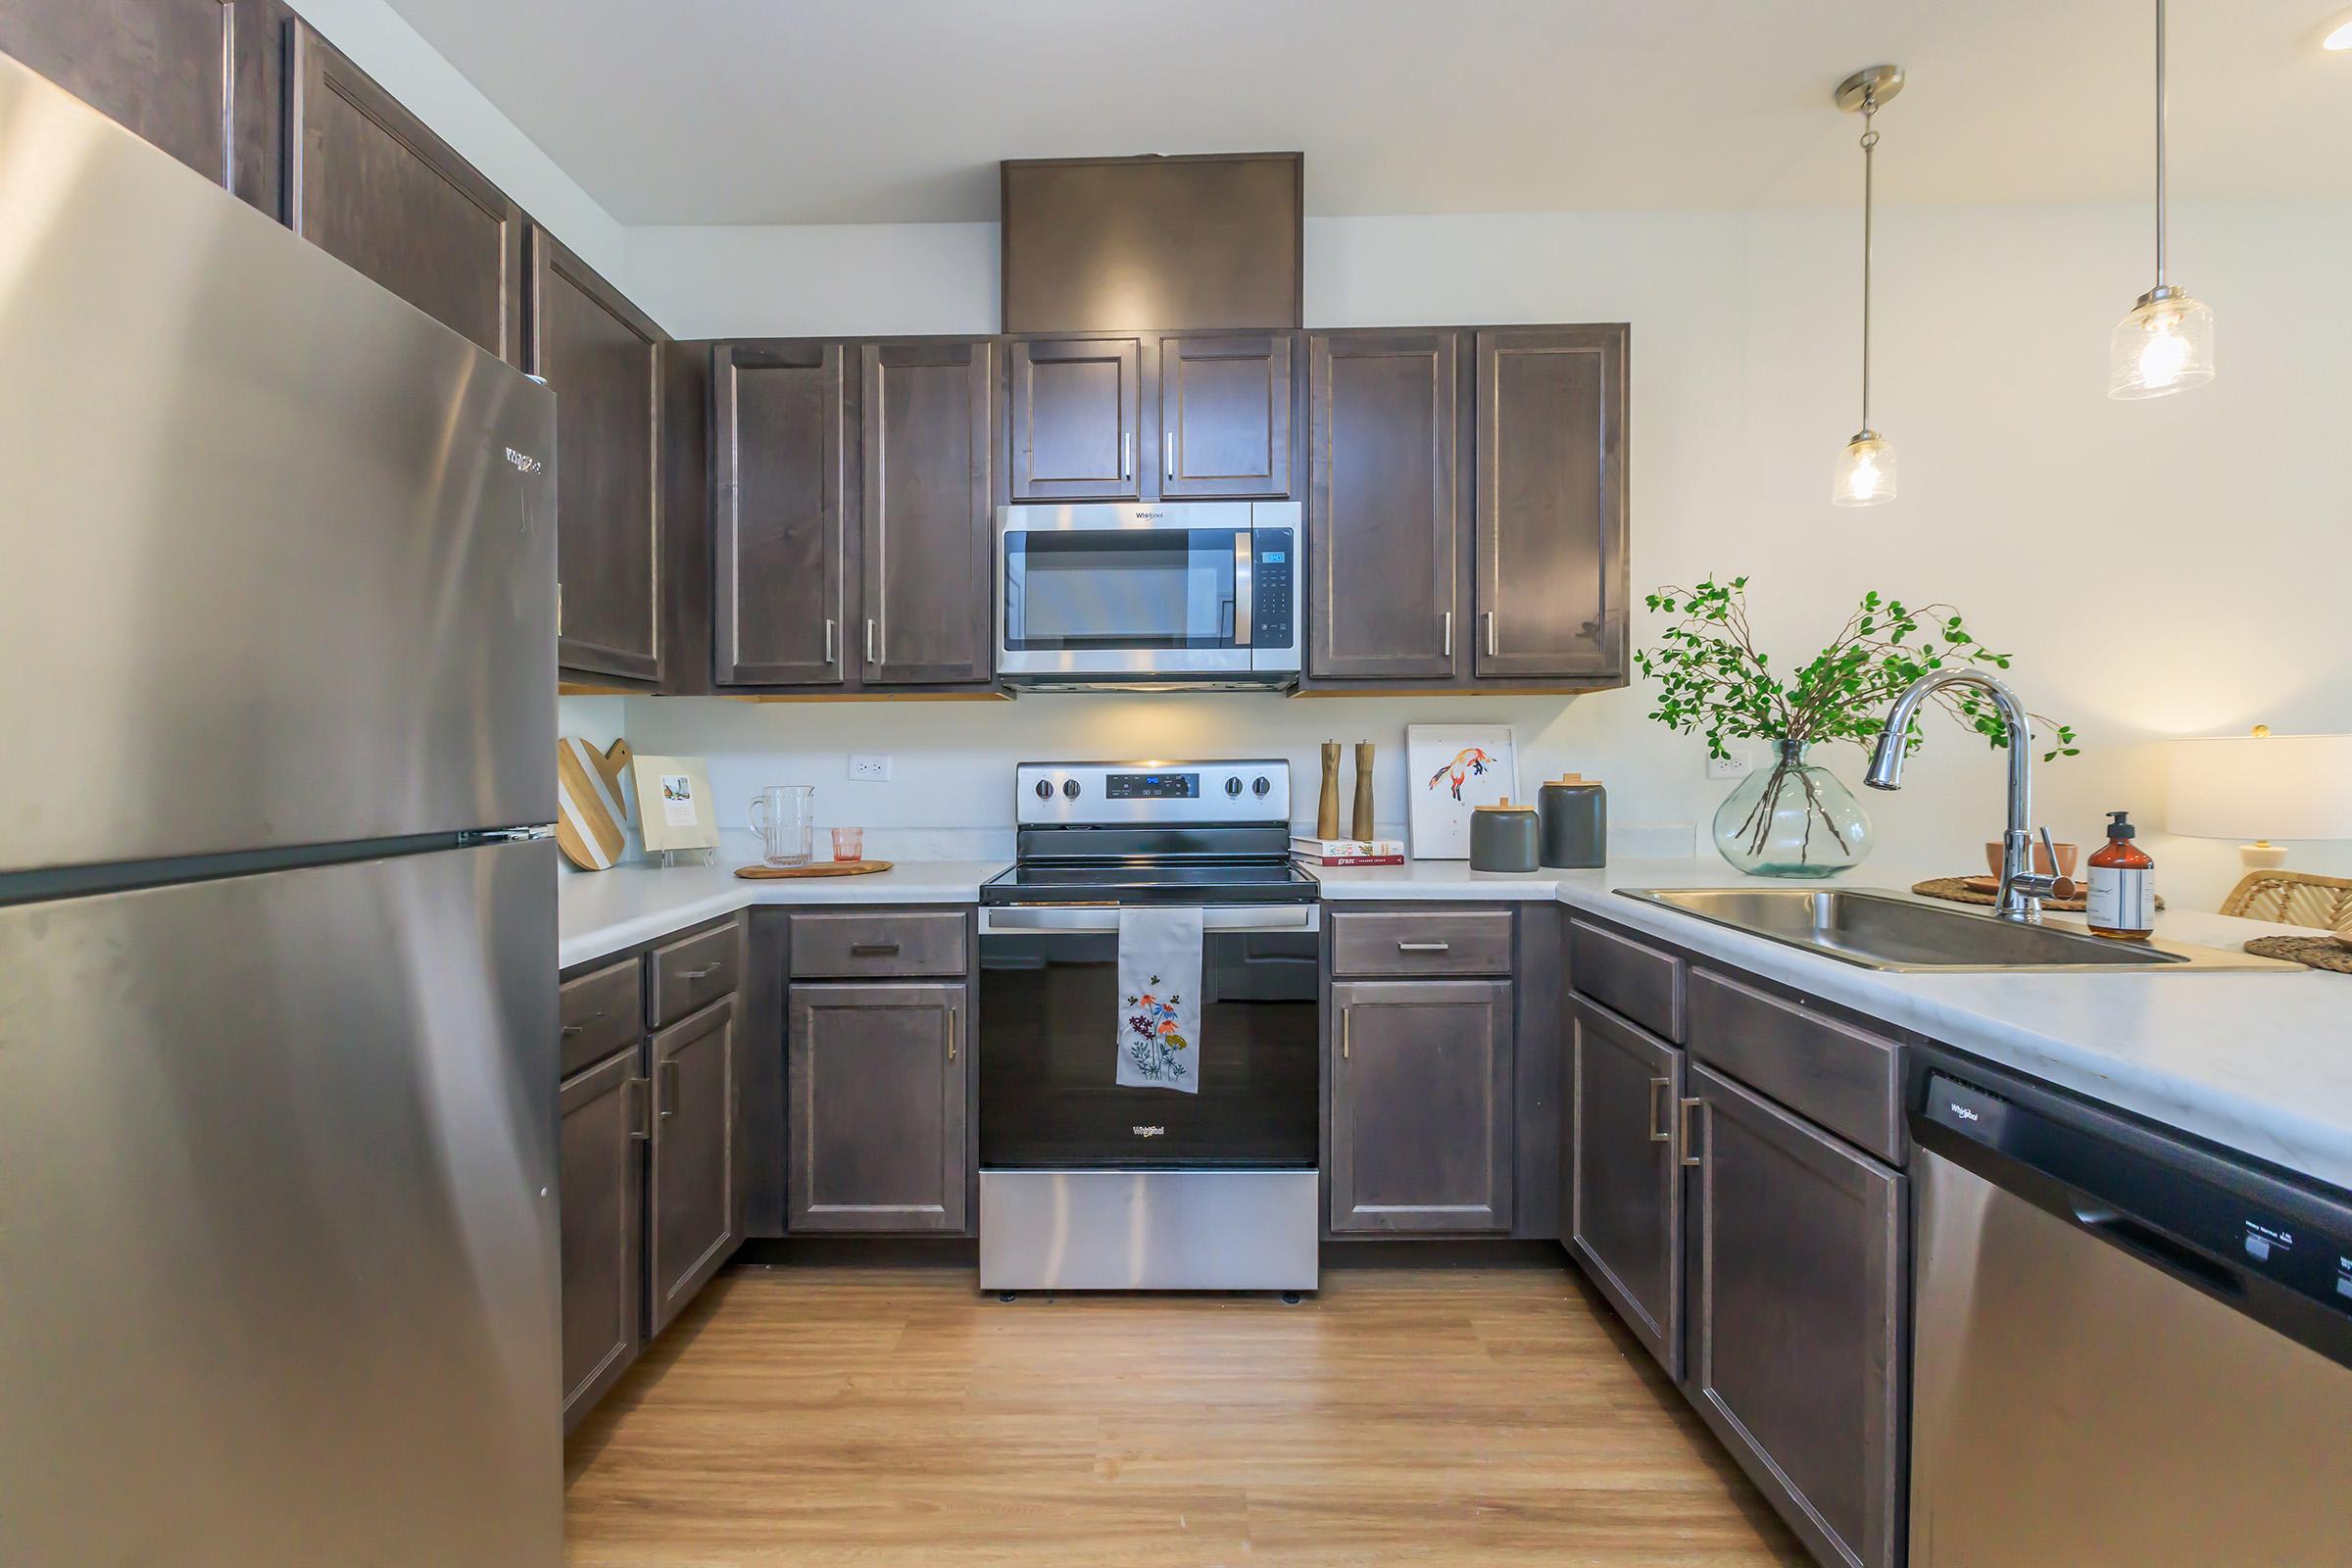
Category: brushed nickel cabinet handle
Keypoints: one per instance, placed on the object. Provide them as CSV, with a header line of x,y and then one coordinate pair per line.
x,y
832,641
1449,634
1424,947
701,974
1126,453
572,1029
869,640
669,1088
1688,1158
1491,649
872,950
952,1031
1660,1129
1347,1020
1170,469
641,1125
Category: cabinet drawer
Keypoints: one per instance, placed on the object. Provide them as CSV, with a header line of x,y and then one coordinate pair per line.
x,y
1639,981
852,946
1407,942
693,971
1843,1078
600,1014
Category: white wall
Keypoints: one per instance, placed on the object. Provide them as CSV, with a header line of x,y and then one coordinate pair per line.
x,y
2143,562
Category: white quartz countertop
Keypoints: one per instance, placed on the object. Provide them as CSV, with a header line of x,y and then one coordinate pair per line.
x,y
2255,1061
603,911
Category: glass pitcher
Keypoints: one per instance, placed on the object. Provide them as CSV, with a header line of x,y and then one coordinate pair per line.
x,y
784,816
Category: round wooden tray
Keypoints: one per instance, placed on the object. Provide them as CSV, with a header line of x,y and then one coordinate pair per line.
x,y
778,873
1957,890
2319,953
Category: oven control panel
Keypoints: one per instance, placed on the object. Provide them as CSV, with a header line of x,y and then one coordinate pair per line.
x,y
1255,791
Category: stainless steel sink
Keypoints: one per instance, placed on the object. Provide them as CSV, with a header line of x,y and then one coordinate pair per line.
x,y
1878,929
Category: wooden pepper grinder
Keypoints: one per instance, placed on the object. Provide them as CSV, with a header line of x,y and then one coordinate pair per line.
x,y
1327,810
1363,791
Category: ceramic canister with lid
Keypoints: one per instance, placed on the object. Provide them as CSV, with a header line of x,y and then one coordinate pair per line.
x,y
1575,823
1502,837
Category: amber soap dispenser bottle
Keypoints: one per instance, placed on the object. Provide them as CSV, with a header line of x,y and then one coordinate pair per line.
x,y
2123,885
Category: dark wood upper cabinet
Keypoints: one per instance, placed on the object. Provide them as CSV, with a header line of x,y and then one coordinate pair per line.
x,y
367,182
602,1172
878,1100
1421,1106
157,67
1225,416
926,525
603,357
778,547
1117,244
1383,505
1798,1328
1551,580
1077,406
1625,1186
693,1191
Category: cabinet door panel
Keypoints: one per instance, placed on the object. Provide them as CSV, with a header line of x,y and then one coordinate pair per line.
x,y
1625,1193
1076,405
696,1157
371,185
603,1198
778,412
1382,506
1225,416
1551,565
603,357
928,524
1421,1106
155,66
878,1107
1796,1318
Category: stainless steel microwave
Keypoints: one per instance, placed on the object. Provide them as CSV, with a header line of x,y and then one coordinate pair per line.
x,y
1182,594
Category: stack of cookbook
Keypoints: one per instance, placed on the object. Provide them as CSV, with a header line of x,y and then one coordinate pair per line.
x,y
1348,851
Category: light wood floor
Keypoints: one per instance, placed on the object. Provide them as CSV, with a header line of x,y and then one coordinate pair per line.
x,y
1428,1416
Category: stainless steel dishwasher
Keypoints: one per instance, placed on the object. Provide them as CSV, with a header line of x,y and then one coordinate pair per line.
x,y
2130,1348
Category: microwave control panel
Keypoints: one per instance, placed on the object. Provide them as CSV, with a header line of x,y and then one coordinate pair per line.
x,y
1276,554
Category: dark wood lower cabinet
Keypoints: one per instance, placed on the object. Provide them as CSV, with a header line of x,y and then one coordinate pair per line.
x,y
692,1188
1625,1186
600,1165
878,1097
1421,1106
1797,1324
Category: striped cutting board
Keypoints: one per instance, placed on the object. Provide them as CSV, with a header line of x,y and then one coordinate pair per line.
x,y
590,807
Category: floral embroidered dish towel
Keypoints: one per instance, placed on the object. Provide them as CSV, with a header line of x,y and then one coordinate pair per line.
x,y
1159,992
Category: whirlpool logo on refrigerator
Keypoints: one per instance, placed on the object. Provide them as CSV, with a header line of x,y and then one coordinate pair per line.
x,y
525,462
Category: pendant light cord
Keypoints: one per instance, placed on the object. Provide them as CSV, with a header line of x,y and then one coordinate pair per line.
x,y
1870,143
2160,191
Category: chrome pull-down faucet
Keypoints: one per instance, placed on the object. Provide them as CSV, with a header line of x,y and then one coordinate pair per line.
x,y
2022,888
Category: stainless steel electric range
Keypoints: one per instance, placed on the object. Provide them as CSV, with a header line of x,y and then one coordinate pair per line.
x,y
1089,1185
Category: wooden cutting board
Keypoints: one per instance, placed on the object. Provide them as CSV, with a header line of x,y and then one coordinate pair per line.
x,y
763,873
590,807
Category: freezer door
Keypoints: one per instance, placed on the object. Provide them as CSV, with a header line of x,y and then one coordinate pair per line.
x,y
279,549
278,1257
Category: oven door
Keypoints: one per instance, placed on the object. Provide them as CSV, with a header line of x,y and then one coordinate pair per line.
x,y
1122,590
1048,1016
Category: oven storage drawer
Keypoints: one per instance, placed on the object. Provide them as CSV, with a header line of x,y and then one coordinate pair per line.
x,y
1409,942
858,946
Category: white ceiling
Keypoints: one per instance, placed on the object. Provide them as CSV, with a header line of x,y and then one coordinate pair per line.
x,y
887,111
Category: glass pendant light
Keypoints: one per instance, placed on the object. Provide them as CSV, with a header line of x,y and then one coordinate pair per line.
x,y
2165,343
1865,472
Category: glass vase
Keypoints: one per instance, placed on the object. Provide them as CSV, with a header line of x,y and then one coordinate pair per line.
x,y
1793,818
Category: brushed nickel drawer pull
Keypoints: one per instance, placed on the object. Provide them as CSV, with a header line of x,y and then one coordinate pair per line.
x,y
701,974
1688,1158
1660,1132
572,1029
872,950
1424,947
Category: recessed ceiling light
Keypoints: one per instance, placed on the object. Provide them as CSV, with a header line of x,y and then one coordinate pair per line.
x,y
2339,36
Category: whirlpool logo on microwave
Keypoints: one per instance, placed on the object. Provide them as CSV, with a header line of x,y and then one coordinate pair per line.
x,y
1149,1132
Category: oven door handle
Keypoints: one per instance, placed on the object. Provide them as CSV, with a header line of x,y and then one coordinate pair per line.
x,y
1007,918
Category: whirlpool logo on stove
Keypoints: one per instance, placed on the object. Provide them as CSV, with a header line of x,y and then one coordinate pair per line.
x,y
1149,1132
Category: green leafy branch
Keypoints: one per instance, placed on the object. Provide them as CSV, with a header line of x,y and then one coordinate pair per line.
x,y
1714,681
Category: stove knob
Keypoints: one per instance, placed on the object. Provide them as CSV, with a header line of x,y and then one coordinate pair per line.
x,y
1045,789
1070,788
1232,786
1262,786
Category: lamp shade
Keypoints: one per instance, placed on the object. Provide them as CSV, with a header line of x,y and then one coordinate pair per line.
x,y
2261,787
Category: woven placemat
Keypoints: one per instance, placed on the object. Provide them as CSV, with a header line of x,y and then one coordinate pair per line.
x,y
2319,953
1955,890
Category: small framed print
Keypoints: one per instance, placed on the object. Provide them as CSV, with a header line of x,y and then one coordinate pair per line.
x,y
1451,771
674,804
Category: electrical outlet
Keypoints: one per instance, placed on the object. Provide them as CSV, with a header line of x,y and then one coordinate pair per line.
x,y
870,770
1736,766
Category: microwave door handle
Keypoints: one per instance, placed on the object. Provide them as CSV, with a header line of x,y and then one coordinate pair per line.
x,y
1245,566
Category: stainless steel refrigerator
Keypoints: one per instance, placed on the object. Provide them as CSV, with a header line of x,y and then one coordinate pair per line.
x,y
278,932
